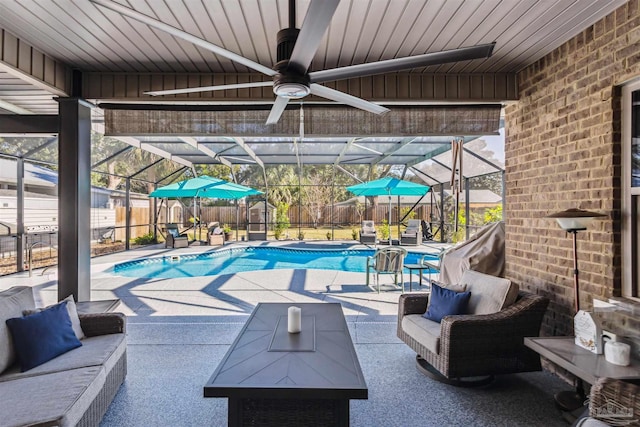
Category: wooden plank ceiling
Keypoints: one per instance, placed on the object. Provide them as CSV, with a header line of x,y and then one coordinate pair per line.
x,y
91,38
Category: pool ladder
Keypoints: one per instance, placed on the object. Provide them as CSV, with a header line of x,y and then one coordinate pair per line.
x,y
30,257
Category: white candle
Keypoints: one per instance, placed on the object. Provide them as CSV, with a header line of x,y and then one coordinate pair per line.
x,y
294,320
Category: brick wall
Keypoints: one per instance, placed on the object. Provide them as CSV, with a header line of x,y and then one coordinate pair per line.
x,y
563,151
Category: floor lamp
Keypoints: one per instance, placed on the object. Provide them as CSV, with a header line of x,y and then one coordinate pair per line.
x,y
572,221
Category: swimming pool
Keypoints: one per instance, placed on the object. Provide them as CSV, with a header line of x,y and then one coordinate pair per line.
x,y
236,260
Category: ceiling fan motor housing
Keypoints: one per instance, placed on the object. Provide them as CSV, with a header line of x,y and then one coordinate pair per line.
x,y
289,82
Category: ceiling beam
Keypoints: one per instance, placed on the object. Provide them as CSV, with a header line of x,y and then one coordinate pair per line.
x,y
344,151
428,156
253,155
99,127
403,143
424,174
493,165
343,170
30,123
406,87
248,150
209,152
14,108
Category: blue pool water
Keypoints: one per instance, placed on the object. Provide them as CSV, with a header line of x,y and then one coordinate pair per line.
x,y
230,261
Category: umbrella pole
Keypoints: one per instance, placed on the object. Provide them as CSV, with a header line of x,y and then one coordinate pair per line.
x,y
237,219
390,242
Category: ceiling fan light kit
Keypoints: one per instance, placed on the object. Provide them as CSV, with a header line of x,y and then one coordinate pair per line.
x,y
295,51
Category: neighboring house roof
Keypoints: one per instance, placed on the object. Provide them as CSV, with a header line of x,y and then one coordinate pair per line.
x,y
404,200
477,196
27,194
33,174
261,205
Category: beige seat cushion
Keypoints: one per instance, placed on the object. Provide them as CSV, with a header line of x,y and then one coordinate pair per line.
x,y
102,350
489,294
56,399
423,330
12,303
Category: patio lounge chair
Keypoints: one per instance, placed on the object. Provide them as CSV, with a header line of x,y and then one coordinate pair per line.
x,y
368,232
487,341
174,238
215,235
388,260
412,235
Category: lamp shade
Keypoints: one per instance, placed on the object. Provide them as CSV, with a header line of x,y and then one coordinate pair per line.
x,y
574,219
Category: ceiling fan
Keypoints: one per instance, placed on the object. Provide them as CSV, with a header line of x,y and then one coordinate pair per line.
x,y
295,51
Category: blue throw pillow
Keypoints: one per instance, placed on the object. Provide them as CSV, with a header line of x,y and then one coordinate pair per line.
x,y
445,302
41,336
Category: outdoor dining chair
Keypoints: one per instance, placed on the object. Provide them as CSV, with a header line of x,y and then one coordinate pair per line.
x,y
387,260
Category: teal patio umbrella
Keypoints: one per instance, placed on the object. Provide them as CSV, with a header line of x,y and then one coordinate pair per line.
x,y
390,187
204,186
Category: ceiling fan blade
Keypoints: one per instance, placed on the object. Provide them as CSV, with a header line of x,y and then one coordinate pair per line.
x,y
345,98
399,64
276,111
109,4
313,28
208,88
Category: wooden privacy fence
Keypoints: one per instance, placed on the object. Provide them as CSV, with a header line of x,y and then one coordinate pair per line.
x,y
339,215
140,221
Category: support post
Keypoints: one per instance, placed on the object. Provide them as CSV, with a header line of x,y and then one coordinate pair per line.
x,y
442,236
127,214
155,216
74,199
467,195
20,237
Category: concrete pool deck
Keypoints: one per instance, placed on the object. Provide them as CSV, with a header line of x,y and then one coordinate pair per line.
x,y
229,296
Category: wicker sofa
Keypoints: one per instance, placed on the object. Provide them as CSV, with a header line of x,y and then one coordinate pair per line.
x,y
473,345
74,388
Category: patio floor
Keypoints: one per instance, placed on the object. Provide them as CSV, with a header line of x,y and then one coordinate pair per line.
x,y
179,329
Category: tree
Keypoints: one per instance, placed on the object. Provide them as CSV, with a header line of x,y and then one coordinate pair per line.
x,y
493,214
282,219
317,191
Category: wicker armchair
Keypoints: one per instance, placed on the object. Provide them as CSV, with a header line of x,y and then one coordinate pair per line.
x,y
174,238
613,402
477,345
368,233
412,235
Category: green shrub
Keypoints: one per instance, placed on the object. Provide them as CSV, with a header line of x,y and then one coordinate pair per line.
x,y
282,220
384,230
146,239
354,234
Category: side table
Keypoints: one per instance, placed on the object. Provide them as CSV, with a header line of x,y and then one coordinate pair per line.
x,y
582,363
418,267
